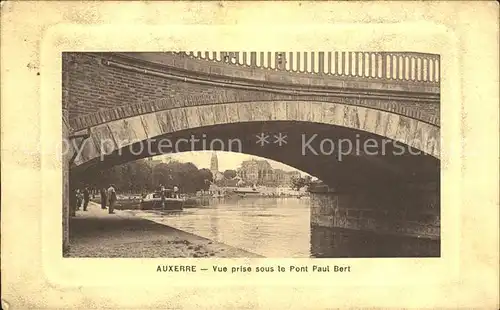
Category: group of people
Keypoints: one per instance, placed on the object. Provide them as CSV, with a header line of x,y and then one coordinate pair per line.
x,y
82,198
108,197
164,192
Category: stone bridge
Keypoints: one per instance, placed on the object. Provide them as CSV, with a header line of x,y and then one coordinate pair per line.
x,y
102,87
132,97
113,102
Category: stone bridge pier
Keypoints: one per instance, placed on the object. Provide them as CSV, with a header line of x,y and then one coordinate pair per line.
x,y
377,221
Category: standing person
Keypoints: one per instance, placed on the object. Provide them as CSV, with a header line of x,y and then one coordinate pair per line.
x,y
176,192
112,198
79,199
86,198
162,196
104,198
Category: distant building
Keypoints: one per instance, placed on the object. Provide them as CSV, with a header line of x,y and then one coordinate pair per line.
x,y
228,182
256,172
249,171
253,172
214,168
260,172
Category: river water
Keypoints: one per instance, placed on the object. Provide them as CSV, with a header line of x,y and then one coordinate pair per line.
x,y
280,227
271,227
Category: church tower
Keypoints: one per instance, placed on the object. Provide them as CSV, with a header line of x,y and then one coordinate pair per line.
x,y
214,168
214,164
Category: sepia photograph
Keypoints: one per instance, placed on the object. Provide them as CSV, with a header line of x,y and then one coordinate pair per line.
x,y
251,154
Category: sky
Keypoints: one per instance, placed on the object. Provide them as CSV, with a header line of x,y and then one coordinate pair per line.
x,y
227,160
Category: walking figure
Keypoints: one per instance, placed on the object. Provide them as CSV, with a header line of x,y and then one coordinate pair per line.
x,y
86,198
79,199
162,196
112,198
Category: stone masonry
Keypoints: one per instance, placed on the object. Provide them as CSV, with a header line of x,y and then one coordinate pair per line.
x,y
98,88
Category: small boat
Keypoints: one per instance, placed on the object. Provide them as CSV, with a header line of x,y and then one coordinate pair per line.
x,y
153,201
246,190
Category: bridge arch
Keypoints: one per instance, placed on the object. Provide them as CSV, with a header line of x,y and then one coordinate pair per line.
x,y
107,139
414,133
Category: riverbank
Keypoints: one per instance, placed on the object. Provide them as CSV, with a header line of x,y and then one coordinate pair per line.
x,y
95,233
122,203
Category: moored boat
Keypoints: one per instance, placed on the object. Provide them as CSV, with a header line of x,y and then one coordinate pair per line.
x,y
246,190
153,201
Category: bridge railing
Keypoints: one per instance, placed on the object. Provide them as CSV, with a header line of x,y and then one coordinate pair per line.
x,y
403,66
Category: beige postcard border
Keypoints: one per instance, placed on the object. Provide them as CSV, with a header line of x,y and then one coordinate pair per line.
x,y
32,193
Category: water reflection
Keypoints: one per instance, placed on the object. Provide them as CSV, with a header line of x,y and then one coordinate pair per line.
x,y
280,227
335,242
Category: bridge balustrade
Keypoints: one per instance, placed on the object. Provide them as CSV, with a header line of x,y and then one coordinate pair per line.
x,y
403,66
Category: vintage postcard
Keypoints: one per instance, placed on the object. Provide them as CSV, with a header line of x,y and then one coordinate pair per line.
x,y
249,155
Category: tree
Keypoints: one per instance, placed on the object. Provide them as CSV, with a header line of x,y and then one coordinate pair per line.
x,y
186,176
138,175
207,177
229,174
299,182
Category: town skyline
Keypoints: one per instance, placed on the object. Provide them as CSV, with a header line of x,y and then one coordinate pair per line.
x,y
226,160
